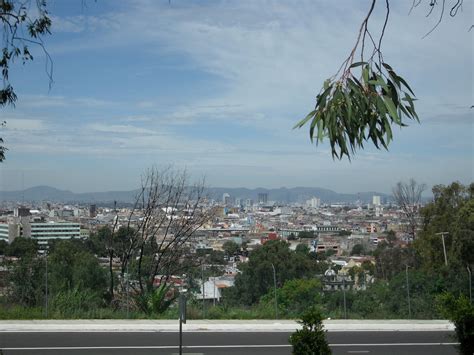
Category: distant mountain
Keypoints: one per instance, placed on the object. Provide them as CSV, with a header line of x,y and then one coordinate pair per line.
x,y
283,194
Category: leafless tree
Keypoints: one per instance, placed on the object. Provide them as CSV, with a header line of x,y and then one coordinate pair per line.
x,y
160,227
407,195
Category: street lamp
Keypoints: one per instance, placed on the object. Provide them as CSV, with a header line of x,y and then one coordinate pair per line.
x,y
470,283
444,247
275,291
408,291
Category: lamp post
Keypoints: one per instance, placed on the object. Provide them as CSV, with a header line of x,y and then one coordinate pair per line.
x,y
344,294
203,291
470,283
408,291
444,247
275,291
46,283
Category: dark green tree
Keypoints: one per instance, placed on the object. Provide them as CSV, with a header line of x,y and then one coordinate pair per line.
x,y
22,247
230,248
311,339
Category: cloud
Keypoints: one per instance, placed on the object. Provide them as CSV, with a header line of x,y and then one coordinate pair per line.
x,y
14,124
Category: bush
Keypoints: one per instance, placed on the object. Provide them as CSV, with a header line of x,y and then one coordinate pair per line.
x,y
461,312
73,303
311,340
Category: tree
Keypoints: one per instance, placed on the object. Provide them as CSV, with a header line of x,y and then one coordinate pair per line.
x,y
451,211
407,195
230,248
3,247
295,297
23,26
154,239
311,340
22,247
358,249
461,312
302,249
256,277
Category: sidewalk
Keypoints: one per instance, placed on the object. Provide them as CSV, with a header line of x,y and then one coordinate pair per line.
x,y
101,325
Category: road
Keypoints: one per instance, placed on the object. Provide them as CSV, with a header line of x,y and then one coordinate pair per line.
x,y
232,343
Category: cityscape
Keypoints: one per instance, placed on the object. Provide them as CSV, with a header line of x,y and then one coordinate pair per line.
x,y
236,177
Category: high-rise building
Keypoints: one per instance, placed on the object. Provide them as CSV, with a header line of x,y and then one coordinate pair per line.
x,y
314,202
92,211
262,197
226,198
376,200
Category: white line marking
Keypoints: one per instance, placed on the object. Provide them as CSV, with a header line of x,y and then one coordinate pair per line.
x,y
214,346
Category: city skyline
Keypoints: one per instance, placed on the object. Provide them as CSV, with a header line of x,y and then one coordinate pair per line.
x,y
198,87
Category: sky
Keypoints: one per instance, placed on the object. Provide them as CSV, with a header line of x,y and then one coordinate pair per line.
x,y
217,86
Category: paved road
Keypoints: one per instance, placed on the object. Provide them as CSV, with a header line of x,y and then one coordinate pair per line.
x,y
232,343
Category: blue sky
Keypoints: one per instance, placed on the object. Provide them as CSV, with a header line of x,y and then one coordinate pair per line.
x,y
216,87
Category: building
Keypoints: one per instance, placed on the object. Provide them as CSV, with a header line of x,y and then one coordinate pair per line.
x,y
225,198
39,230
376,200
314,202
92,211
262,198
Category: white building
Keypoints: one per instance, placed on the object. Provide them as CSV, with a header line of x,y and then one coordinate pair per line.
x,y
376,200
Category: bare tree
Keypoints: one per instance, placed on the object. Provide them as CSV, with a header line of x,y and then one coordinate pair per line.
x,y
160,228
407,195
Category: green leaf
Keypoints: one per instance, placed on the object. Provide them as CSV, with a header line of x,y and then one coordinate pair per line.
x,y
304,120
392,110
365,74
357,64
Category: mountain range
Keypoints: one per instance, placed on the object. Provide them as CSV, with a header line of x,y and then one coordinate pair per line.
x,y
283,194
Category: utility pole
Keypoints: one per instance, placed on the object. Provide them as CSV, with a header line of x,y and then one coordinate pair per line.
x,y
275,291
444,247
46,283
470,283
344,294
203,291
408,291
127,290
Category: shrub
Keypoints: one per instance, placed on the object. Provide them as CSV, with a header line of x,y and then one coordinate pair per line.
x,y
311,340
461,312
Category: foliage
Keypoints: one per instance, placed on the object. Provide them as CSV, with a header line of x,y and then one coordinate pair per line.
x,y
230,248
461,312
295,296
306,234
69,303
351,111
73,268
358,249
27,279
3,247
256,277
302,248
158,300
451,211
22,27
311,340
22,247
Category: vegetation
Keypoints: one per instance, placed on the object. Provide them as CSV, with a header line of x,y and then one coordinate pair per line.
x,y
311,340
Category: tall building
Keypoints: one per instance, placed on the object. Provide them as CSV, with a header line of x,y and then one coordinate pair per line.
x,y
92,211
262,197
314,202
376,200
226,198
